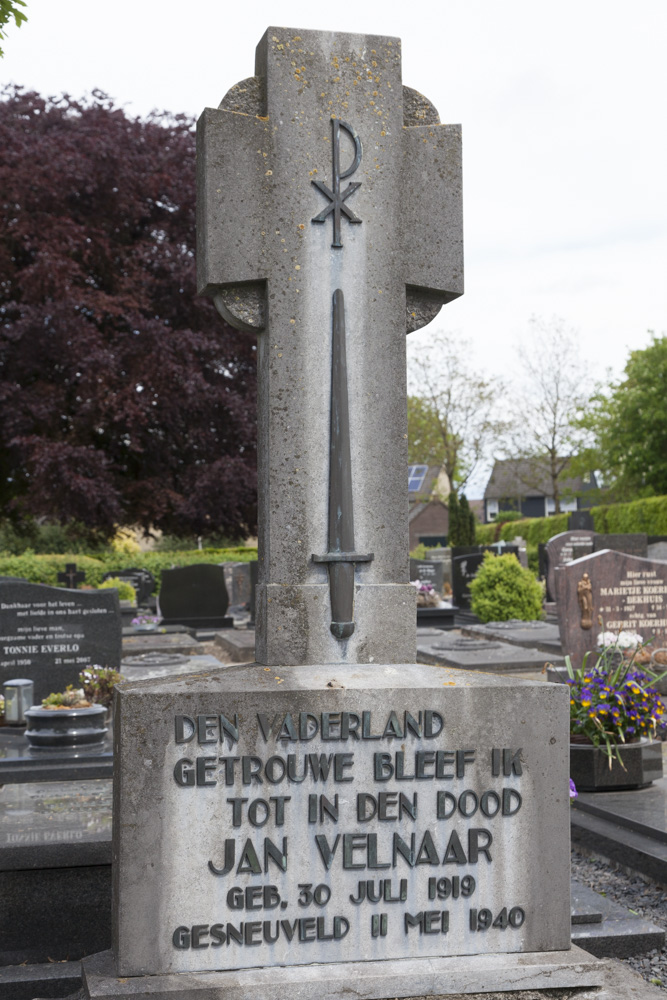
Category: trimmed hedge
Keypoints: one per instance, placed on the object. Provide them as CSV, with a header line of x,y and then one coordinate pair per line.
x,y
45,568
648,515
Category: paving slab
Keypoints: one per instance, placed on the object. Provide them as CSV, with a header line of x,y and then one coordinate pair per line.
x,y
157,642
608,930
238,644
466,653
540,635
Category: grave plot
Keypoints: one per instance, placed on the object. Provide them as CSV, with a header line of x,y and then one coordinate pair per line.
x,y
50,634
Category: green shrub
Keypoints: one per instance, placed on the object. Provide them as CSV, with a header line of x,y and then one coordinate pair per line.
x,y
503,589
126,591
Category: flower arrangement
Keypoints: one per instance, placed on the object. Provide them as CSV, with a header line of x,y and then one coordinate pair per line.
x,y
71,697
612,701
427,597
98,683
146,620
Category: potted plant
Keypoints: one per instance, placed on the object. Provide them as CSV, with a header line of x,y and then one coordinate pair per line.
x,y
427,596
66,719
146,623
98,684
615,715
75,717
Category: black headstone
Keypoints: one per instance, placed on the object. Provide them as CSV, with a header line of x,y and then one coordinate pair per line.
x,y
49,634
141,579
428,571
466,560
195,596
630,544
542,560
581,520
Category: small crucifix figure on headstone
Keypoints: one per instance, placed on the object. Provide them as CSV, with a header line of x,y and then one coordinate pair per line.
x,y
331,274
71,578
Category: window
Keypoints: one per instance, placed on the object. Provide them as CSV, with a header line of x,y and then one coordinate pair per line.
x,y
566,506
491,509
416,476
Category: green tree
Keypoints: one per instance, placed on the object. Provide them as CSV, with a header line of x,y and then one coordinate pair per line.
x,y
454,530
451,419
629,422
10,9
467,521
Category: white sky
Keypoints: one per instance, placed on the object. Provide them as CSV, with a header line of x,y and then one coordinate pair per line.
x,y
564,114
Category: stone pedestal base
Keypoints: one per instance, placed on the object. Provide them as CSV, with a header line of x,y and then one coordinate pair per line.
x,y
419,977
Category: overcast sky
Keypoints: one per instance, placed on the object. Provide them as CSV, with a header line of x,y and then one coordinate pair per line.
x,y
563,108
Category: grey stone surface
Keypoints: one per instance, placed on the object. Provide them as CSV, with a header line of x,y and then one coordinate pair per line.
x,y
408,977
534,635
183,827
238,644
50,634
467,653
149,666
560,550
156,642
627,593
256,203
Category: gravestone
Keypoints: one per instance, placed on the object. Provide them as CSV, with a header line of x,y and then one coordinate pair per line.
x,y
657,550
631,544
466,561
428,571
559,551
70,577
581,520
49,634
624,591
303,823
195,596
142,580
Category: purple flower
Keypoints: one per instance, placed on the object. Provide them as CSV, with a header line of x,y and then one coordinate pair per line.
x,y
573,790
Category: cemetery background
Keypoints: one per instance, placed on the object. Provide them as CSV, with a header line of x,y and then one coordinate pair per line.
x,y
198,557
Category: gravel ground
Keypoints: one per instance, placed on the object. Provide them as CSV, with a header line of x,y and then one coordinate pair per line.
x,y
635,893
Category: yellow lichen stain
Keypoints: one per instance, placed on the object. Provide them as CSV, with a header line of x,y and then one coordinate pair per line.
x,y
297,267
269,173
301,226
292,321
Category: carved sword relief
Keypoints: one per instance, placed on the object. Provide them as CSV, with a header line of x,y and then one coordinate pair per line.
x,y
341,557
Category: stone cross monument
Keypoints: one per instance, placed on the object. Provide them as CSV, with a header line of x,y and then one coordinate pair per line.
x,y
329,223
367,824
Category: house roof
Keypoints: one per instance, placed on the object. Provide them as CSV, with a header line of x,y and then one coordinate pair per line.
x,y
430,477
526,477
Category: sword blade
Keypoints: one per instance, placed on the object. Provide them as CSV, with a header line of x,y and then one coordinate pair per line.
x,y
341,515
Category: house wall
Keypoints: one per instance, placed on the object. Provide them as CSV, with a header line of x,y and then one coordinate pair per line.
x,y
432,521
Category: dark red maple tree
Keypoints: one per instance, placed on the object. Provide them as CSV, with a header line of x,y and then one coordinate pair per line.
x,y
124,398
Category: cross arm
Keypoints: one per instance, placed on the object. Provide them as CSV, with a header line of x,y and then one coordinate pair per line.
x,y
234,191
431,190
